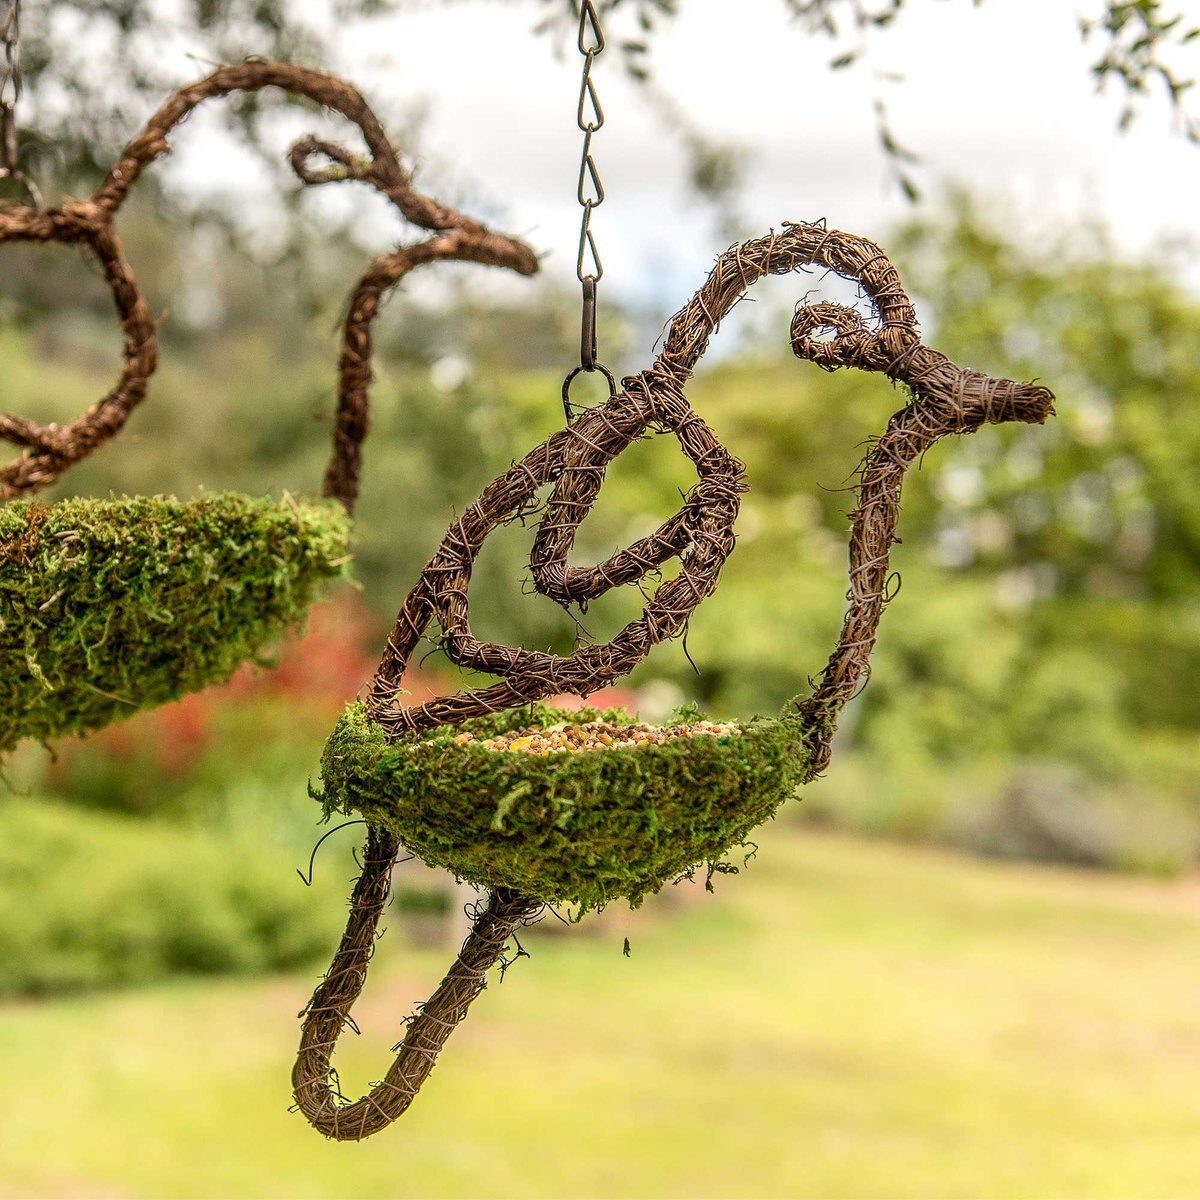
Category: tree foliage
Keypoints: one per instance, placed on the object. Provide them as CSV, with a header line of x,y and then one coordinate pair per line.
x,y
1101,502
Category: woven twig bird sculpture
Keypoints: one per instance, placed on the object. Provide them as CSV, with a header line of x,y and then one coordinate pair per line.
x,y
536,820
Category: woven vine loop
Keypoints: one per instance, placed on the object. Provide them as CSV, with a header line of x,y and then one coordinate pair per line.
x,y
946,399
708,511
328,1012
853,343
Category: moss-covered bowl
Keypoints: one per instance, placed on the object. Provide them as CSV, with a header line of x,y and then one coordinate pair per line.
x,y
585,827
111,606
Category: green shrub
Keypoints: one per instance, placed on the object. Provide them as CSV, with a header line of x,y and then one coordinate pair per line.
x,y
92,900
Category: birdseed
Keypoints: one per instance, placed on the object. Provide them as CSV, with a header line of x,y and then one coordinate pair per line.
x,y
593,735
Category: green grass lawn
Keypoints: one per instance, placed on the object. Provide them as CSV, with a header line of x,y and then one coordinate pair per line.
x,y
845,1019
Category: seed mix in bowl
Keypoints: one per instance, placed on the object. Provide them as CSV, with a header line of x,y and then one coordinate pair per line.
x,y
594,735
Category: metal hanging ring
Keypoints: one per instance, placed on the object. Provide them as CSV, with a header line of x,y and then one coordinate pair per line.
x,y
31,189
566,388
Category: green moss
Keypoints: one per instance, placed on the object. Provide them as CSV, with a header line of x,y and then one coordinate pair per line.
x,y
586,828
111,606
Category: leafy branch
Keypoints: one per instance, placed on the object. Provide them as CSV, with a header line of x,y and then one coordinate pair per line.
x,y
1142,39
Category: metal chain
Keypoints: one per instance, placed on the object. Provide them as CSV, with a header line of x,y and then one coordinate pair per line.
x,y
10,94
589,270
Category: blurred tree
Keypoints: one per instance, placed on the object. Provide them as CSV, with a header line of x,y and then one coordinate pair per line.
x,y
1085,531
1099,503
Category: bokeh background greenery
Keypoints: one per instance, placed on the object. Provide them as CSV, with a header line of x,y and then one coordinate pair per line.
x,y
885,1001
